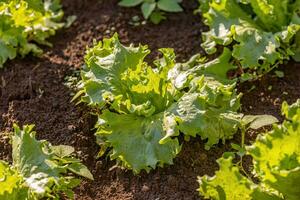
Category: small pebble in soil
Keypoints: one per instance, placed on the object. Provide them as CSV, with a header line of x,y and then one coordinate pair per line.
x,y
71,127
145,188
277,102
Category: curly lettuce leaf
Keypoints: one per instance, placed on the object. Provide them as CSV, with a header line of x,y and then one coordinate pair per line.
x,y
264,43
23,23
217,69
220,16
39,169
269,27
106,64
135,140
210,111
229,183
277,154
290,111
142,108
11,183
276,159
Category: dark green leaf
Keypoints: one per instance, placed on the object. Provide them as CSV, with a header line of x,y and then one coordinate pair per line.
x,y
130,3
169,5
147,9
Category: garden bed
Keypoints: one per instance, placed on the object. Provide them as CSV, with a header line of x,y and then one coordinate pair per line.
x,y
32,90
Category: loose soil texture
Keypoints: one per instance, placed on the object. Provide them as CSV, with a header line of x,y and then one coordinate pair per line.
x,y
32,90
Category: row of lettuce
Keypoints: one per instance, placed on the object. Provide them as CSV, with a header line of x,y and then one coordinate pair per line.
x,y
143,108
260,34
149,117
146,108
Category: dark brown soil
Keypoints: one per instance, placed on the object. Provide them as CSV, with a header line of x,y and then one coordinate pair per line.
x,y
32,90
269,92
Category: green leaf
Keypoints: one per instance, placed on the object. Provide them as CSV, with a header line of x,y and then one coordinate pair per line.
x,y
241,151
220,17
10,183
202,114
169,5
130,3
62,150
277,154
28,152
6,52
147,9
219,67
153,8
216,69
272,14
289,111
39,183
103,76
229,183
259,121
129,133
134,90
156,17
36,5
276,159
264,43
80,170
269,27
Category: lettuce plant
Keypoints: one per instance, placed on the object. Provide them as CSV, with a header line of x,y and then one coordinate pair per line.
x,y
276,159
39,170
262,33
26,23
152,8
142,109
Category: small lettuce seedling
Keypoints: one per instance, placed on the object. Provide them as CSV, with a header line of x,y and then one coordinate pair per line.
x,y
153,8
